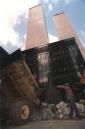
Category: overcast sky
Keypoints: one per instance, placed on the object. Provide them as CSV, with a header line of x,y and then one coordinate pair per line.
x,y
14,14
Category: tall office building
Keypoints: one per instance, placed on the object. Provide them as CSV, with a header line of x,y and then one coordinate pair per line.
x,y
36,31
63,26
65,30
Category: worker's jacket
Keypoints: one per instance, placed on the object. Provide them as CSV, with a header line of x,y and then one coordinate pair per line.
x,y
68,90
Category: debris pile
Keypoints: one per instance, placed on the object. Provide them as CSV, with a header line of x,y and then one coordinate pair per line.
x,y
81,108
63,110
59,111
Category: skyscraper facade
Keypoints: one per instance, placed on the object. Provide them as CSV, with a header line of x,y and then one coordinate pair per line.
x,y
65,30
36,31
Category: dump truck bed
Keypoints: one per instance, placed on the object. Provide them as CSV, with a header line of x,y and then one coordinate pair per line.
x,y
18,77
22,79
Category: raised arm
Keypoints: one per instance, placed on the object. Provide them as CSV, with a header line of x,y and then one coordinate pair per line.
x,y
61,86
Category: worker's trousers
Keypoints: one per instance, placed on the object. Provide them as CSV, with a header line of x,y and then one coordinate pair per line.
x,y
73,108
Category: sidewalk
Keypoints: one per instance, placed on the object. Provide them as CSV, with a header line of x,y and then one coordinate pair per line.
x,y
54,124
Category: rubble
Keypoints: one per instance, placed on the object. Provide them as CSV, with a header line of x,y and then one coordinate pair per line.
x,y
82,101
63,110
81,108
61,105
42,114
59,111
47,114
36,116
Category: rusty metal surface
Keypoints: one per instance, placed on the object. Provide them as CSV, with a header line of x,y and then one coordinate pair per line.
x,y
22,80
36,32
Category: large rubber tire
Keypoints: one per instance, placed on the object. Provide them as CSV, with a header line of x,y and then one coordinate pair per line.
x,y
20,112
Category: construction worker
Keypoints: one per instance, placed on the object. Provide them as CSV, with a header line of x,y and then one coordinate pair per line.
x,y
71,100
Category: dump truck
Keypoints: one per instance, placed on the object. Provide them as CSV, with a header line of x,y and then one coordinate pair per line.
x,y
18,89
53,64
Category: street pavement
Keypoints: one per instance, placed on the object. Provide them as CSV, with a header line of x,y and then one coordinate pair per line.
x,y
53,124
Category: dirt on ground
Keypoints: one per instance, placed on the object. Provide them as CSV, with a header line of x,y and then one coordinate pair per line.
x,y
53,124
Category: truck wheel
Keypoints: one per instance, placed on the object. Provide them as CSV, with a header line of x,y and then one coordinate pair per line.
x,y
20,112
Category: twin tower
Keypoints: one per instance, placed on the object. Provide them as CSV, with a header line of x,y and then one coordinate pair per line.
x,y
37,35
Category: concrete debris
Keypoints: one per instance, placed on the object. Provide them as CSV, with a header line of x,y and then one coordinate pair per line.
x,y
61,105
36,116
47,114
62,110
44,114
82,101
80,107
44,105
52,111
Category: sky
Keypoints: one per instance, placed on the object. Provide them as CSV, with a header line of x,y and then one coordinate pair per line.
x,y
14,17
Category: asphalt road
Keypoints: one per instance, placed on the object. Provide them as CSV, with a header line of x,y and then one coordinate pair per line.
x,y
53,124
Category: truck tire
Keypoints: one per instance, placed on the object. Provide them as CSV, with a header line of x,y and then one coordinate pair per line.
x,y
20,112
